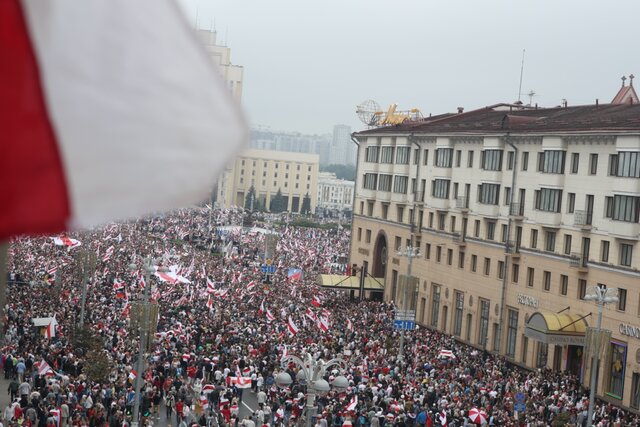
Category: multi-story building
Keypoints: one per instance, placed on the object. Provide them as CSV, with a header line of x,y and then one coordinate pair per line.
x,y
335,196
221,55
517,212
342,149
294,174
267,139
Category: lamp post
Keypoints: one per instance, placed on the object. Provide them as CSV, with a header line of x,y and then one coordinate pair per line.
x,y
410,252
144,333
601,296
311,372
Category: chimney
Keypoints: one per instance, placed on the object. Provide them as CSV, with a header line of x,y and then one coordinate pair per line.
x,y
460,110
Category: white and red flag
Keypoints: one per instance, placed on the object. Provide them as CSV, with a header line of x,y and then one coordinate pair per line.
x,y
293,329
251,285
126,309
311,315
261,310
239,382
132,375
66,241
315,301
107,255
352,404
270,316
110,109
210,303
323,323
50,330
44,368
210,286
349,325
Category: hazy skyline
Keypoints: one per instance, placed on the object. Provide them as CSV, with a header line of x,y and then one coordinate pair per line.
x,y
308,64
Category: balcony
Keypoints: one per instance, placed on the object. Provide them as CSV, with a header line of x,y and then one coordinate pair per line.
x,y
516,211
439,204
579,262
512,249
582,219
462,203
459,239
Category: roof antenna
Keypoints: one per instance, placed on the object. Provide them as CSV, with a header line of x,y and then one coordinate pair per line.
x,y
521,72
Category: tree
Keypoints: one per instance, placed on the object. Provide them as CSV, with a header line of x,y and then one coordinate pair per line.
x,y
347,172
306,205
277,203
250,200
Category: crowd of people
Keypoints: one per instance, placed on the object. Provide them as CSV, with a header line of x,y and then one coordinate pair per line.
x,y
224,331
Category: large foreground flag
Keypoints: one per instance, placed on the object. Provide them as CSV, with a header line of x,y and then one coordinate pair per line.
x,y
110,109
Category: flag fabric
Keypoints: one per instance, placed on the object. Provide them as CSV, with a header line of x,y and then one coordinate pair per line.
x,y
349,325
251,285
209,303
126,309
113,83
446,354
132,375
66,241
239,382
270,316
323,323
316,301
52,271
443,418
107,255
285,353
311,315
50,330
208,388
44,368
353,403
210,286
294,274
261,310
293,329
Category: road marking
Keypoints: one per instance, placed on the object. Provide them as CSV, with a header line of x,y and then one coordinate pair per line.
x,y
248,407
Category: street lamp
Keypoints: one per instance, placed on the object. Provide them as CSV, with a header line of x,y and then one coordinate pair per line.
x,y
148,266
410,252
311,373
601,296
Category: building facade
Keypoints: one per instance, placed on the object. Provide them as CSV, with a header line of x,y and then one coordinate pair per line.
x,y
517,212
335,196
294,142
294,174
342,150
221,56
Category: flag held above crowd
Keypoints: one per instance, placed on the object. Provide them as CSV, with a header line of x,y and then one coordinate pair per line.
x,y
113,112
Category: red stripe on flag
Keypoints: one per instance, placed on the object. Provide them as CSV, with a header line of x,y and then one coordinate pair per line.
x,y
34,192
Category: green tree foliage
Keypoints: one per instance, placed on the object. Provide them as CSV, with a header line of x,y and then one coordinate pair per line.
x,y
251,194
277,203
347,172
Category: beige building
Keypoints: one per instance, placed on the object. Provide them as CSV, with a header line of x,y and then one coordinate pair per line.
x,y
517,212
294,174
221,56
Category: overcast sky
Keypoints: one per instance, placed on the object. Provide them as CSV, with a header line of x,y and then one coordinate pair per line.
x,y
308,64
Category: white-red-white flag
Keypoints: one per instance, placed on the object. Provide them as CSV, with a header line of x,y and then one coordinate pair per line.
x,y
293,329
66,241
316,301
132,375
270,316
110,109
323,323
44,368
209,303
352,404
261,310
349,325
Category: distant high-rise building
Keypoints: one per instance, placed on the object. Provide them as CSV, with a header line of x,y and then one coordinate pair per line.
x,y
221,56
343,150
293,142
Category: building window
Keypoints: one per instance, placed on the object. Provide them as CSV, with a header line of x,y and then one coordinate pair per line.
x,y
491,160
484,322
370,208
625,164
552,161
548,200
400,184
385,210
550,241
435,305
512,332
427,250
623,208
474,263
543,352
491,230
470,158
567,244
402,155
622,299
359,234
384,182
534,238
571,202
476,228
593,164
625,254
575,162
617,364
525,160
441,218
368,236
487,266
416,156
507,195
400,212
489,194
443,157
510,157
370,180
546,280
504,233
582,288
515,273
438,253
460,259
425,158
457,321
386,155
458,158
440,188
430,219
604,251
449,256
500,269
530,276
564,284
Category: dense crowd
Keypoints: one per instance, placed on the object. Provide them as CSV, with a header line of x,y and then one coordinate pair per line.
x,y
223,332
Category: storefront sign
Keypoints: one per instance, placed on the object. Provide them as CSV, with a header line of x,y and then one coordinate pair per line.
x,y
527,300
629,330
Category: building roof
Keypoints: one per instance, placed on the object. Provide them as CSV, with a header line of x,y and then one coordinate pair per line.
x,y
502,118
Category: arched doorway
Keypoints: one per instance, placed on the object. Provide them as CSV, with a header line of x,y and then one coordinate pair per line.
x,y
380,255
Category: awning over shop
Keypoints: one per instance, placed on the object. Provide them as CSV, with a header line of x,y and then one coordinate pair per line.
x,y
337,281
557,328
